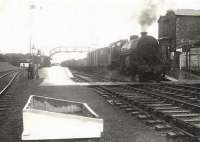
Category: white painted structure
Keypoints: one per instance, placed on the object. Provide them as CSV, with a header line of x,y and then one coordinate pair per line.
x,y
25,65
48,118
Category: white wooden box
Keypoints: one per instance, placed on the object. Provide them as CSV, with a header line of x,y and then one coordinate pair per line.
x,y
49,118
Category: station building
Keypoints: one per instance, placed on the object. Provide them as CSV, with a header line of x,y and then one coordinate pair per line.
x,y
179,36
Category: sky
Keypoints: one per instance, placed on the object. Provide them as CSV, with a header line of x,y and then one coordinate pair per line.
x,y
65,23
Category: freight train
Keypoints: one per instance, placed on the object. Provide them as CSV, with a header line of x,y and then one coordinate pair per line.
x,y
138,57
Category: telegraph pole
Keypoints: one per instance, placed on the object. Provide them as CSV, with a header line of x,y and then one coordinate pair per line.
x,y
33,50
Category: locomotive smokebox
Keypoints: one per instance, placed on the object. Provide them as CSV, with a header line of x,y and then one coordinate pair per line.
x,y
143,34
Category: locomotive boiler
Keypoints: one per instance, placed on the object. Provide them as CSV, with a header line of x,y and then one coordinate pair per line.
x,y
141,58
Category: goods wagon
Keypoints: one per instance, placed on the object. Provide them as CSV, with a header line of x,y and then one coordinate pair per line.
x,y
99,57
116,53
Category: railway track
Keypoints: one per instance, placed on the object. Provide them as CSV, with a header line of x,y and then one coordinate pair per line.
x,y
173,109
6,80
84,77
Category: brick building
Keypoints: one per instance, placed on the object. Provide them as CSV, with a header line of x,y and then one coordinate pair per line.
x,y
179,31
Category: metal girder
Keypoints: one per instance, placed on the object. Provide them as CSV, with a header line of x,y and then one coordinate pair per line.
x,y
69,49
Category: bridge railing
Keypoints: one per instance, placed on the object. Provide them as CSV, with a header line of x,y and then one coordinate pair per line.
x,y
70,49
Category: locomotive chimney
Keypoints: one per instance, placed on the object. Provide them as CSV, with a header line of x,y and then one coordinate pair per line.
x,y
143,34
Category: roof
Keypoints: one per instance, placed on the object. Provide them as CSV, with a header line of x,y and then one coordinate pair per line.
x,y
118,43
187,12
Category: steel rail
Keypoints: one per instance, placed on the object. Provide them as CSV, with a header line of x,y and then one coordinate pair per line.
x,y
4,75
10,82
187,128
94,77
175,96
175,86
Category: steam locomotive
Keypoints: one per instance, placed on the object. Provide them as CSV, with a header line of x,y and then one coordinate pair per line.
x,y
142,58
138,57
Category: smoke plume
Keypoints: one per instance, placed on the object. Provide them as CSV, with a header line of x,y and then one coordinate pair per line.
x,y
149,14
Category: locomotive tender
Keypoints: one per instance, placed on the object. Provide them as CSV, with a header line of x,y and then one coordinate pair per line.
x,y
139,57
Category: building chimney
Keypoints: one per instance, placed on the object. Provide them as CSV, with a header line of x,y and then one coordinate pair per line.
x,y
143,34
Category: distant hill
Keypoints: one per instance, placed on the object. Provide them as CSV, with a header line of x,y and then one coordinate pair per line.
x,y
5,66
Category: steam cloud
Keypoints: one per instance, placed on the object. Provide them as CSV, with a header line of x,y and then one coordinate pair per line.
x,y
149,14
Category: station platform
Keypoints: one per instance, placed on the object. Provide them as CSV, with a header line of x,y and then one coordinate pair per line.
x,y
182,76
59,76
94,84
